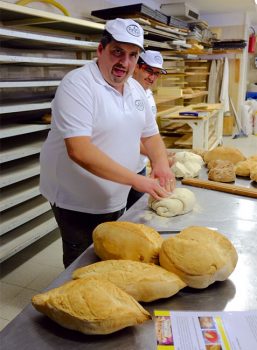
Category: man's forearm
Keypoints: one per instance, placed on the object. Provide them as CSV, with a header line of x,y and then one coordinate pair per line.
x,y
92,159
155,149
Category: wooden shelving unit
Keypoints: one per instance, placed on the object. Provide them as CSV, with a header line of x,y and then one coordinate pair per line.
x,y
37,49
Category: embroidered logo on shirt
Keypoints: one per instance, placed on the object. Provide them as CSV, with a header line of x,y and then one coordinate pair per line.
x,y
154,110
133,30
139,105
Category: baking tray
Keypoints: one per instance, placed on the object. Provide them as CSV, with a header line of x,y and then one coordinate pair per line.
x,y
130,10
177,22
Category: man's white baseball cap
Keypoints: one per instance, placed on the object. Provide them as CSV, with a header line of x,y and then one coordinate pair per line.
x,y
153,59
126,31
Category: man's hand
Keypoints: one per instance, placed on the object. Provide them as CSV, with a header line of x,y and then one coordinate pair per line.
x,y
165,177
171,158
151,186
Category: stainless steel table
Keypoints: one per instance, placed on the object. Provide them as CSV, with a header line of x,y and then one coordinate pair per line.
x,y
235,216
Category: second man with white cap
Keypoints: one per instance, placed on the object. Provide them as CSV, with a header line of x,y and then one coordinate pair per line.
x,y
148,69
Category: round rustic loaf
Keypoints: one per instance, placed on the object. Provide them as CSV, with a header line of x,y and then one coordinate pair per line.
x,y
144,282
126,240
224,153
199,256
91,306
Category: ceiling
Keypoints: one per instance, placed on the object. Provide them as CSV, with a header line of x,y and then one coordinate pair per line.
x,y
217,6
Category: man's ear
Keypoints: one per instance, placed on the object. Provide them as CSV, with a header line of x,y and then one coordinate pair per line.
x,y
100,49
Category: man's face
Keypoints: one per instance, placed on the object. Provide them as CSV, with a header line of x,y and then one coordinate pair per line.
x,y
146,75
117,62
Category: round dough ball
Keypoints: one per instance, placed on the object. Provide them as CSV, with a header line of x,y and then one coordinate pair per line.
x,y
181,201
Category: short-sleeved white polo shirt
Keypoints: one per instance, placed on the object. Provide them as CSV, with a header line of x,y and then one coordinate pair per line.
x,y
86,105
143,159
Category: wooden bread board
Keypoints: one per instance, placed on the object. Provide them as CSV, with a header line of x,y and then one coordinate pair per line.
x,y
220,186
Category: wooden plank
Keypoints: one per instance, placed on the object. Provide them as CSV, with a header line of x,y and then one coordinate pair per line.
x,y
222,187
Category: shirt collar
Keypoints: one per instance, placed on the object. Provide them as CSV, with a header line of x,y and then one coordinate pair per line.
x,y
97,75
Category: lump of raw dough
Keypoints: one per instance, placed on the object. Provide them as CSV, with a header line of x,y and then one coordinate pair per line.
x,y
144,282
127,240
187,164
224,153
181,201
199,256
91,306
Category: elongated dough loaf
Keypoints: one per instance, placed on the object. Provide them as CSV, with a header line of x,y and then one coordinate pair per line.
x,y
144,282
91,306
199,256
181,201
126,240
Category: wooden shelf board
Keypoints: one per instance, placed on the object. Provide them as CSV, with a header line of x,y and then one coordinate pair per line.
x,y
20,150
26,234
22,107
21,129
16,15
14,195
40,61
19,171
27,39
31,83
23,213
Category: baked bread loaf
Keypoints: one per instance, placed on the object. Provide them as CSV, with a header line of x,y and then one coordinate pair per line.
x,y
224,153
126,240
218,163
144,282
253,173
181,201
91,306
221,171
199,256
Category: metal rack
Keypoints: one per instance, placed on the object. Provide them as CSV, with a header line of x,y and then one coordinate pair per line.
x,y
38,49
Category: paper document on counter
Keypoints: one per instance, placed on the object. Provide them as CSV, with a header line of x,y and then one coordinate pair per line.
x,y
186,330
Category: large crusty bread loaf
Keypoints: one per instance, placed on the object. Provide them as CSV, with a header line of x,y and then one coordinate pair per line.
x,y
199,256
253,173
243,168
144,282
221,171
126,240
91,306
224,153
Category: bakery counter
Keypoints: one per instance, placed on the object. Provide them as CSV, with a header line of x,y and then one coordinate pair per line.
x,y
32,330
225,212
235,216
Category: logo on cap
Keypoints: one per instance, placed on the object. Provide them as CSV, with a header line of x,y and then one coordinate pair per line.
x,y
158,59
139,105
133,30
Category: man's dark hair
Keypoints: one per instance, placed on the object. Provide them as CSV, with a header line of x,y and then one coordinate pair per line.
x,y
140,61
106,38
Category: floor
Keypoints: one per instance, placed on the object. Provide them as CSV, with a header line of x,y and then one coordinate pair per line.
x,y
33,269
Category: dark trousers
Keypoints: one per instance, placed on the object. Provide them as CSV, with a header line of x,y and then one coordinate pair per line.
x,y
76,230
134,195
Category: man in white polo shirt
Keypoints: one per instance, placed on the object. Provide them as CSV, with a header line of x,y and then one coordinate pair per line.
x,y
148,69
89,159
